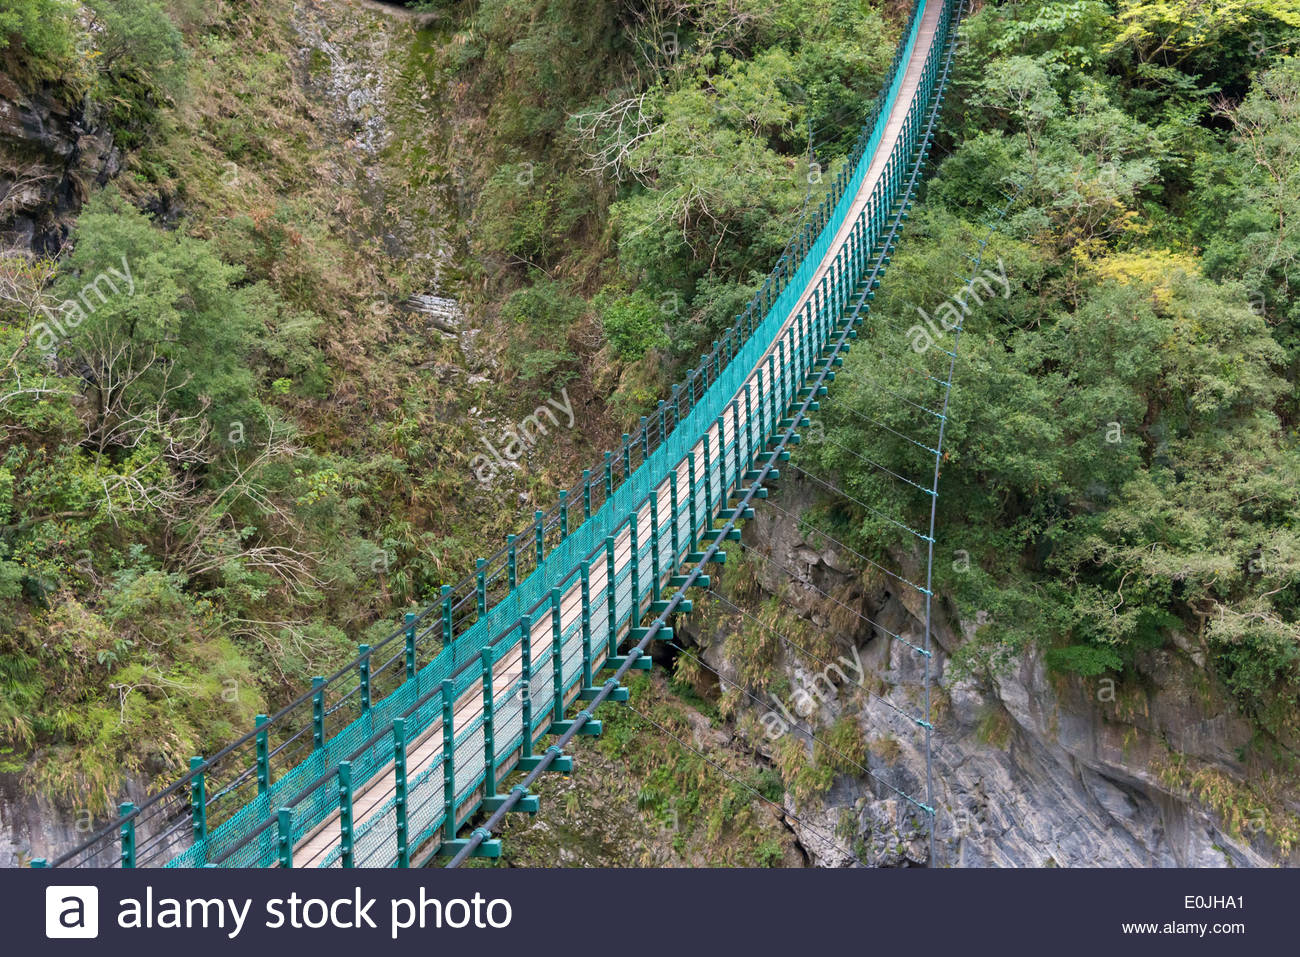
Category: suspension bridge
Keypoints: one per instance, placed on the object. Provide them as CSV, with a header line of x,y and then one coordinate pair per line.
x,y
450,719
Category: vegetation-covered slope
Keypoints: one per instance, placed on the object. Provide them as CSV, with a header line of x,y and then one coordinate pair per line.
x,y
229,454
238,455
1122,457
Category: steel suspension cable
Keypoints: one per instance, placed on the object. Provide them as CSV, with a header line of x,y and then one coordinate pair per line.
x,y
844,407
934,507
749,787
808,584
809,734
877,465
857,501
856,554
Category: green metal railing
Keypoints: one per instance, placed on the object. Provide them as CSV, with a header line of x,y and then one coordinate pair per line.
x,y
424,746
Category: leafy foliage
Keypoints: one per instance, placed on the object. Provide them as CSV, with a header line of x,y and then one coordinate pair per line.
x,y
1121,459
634,325
181,333
41,33
669,156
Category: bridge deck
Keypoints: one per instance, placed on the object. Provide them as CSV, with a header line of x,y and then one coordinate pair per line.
x,y
893,128
425,752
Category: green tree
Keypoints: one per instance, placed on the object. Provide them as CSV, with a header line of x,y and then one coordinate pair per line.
x,y
139,40
1247,198
142,59
43,33
716,194
157,327
1169,31
633,325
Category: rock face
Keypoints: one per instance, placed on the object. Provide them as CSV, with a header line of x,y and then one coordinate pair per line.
x,y
372,69
33,827
51,156
1029,769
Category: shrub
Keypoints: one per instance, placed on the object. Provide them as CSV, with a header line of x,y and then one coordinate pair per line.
x,y
159,315
142,56
41,32
633,325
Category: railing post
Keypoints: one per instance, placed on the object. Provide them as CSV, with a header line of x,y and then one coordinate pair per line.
x,y
748,461
263,755
318,712
585,573
410,645
284,822
645,439
448,638
399,793
771,390
198,801
526,658
489,726
635,564
557,656
708,481
448,761
673,506
690,459
539,521
781,374
480,585
654,542
627,456
611,596
865,242
126,834
796,357
345,813
800,341
512,562
842,278
828,317
812,337
564,514
735,439
722,460
364,652
663,421
609,475
586,494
